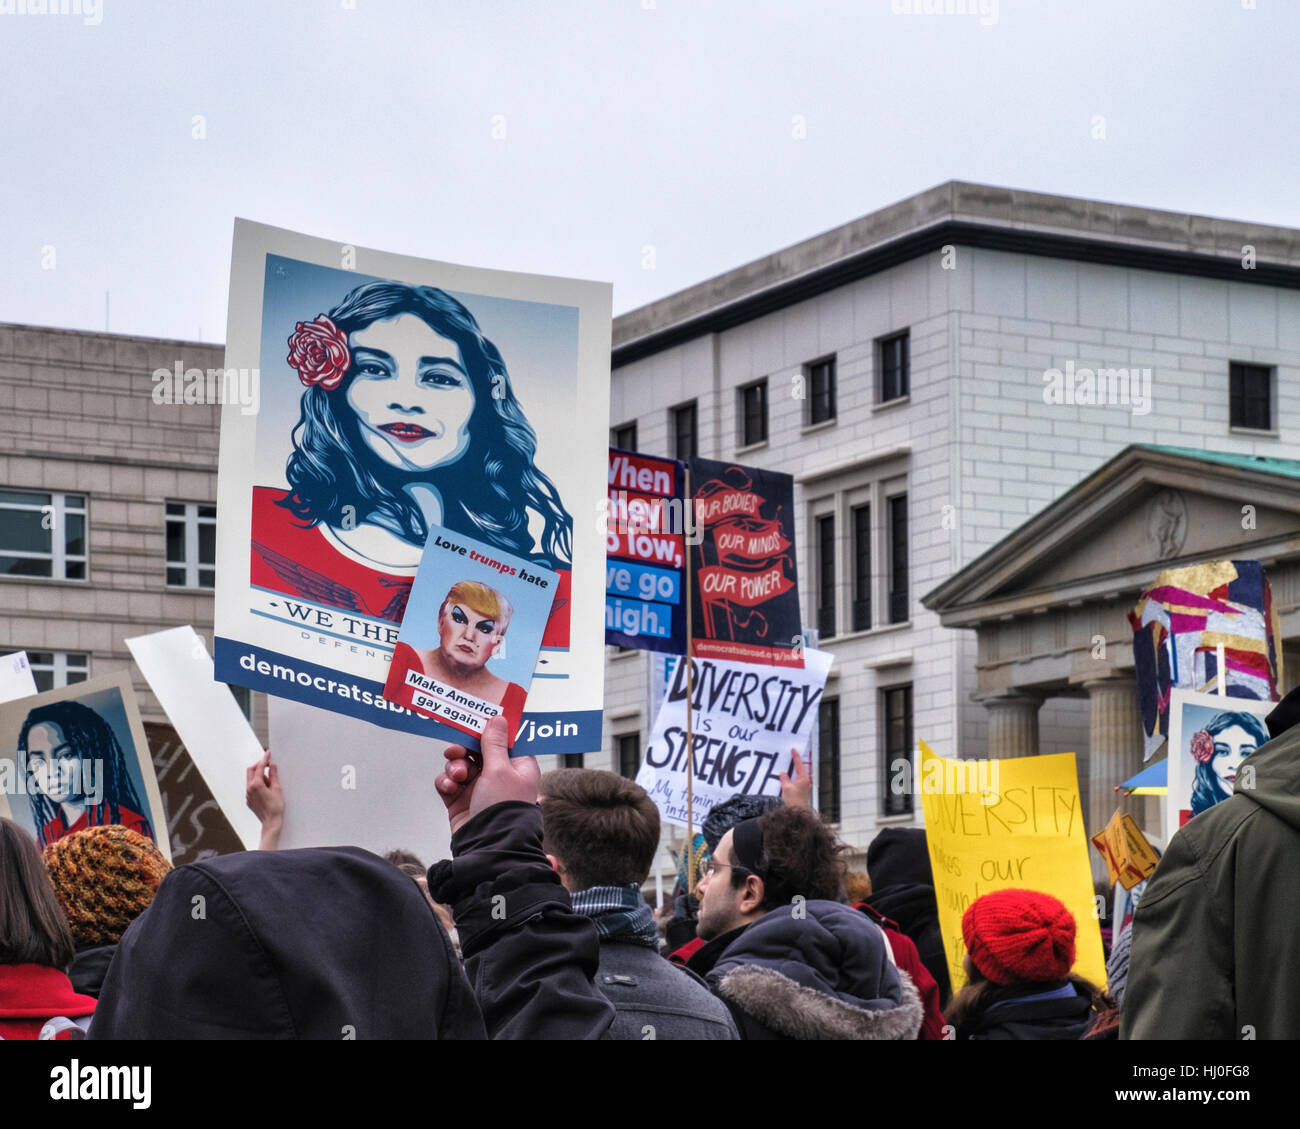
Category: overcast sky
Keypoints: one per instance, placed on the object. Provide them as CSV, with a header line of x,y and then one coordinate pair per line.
x,y
571,136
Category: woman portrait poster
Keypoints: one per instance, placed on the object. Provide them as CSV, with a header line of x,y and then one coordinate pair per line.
x,y
388,406
80,760
1211,741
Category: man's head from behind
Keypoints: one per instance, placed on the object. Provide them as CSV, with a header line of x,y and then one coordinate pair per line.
x,y
601,829
765,863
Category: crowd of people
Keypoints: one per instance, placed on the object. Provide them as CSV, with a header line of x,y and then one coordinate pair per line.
x,y
537,927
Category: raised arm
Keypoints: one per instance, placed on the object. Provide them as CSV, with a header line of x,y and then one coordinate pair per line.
x,y
529,957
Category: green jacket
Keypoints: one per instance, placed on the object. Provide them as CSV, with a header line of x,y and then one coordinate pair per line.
x,y
1216,936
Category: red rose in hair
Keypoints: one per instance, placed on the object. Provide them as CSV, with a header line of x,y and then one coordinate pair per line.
x,y
1202,747
319,351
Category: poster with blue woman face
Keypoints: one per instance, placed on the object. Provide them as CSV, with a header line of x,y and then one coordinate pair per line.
x,y
395,396
1211,739
76,758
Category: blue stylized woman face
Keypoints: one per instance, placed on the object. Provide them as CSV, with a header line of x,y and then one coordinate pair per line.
x,y
411,393
1231,746
53,766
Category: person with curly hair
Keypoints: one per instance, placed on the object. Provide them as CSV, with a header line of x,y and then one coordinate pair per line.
x,y
784,951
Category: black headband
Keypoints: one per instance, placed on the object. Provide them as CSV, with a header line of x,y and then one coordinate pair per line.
x,y
747,844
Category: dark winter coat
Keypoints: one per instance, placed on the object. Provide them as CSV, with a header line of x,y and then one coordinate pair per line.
x,y
1015,1017
656,999
530,958
89,967
1215,951
337,943
814,970
902,889
909,961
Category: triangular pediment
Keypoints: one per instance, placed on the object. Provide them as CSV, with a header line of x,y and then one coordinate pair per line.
x,y
1148,509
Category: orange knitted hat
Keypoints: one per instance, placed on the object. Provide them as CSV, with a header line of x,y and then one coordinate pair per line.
x,y
105,878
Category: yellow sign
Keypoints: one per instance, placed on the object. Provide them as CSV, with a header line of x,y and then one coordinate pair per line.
x,y
1008,824
1129,857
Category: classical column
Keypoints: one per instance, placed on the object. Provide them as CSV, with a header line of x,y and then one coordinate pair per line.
x,y
1013,722
1114,754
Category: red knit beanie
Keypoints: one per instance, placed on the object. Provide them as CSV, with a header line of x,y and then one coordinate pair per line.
x,y
1019,937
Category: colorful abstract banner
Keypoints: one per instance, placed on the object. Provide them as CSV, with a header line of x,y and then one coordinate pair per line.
x,y
1180,623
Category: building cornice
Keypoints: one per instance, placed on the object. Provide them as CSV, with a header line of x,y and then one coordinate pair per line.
x,y
971,216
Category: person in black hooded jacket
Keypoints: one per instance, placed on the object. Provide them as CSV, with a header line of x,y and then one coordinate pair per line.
x,y
336,943
902,889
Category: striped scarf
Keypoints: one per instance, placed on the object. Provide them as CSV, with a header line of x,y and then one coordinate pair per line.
x,y
620,914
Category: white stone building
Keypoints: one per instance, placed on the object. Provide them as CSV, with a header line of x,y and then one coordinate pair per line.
x,y
1165,328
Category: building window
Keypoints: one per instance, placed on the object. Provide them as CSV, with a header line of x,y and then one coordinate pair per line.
x,y
244,697
821,391
897,770
826,576
53,670
861,516
191,545
828,759
1250,396
894,377
628,749
623,437
684,430
753,413
571,760
898,609
43,535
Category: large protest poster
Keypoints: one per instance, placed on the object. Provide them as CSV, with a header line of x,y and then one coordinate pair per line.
x,y
744,592
1211,737
469,641
645,542
395,394
216,736
77,757
747,720
1015,823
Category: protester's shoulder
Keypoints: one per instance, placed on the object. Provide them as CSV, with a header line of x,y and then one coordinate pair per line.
x,y
619,958
645,988
1198,848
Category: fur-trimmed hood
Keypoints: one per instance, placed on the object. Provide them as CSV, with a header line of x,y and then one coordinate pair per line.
x,y
818,970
